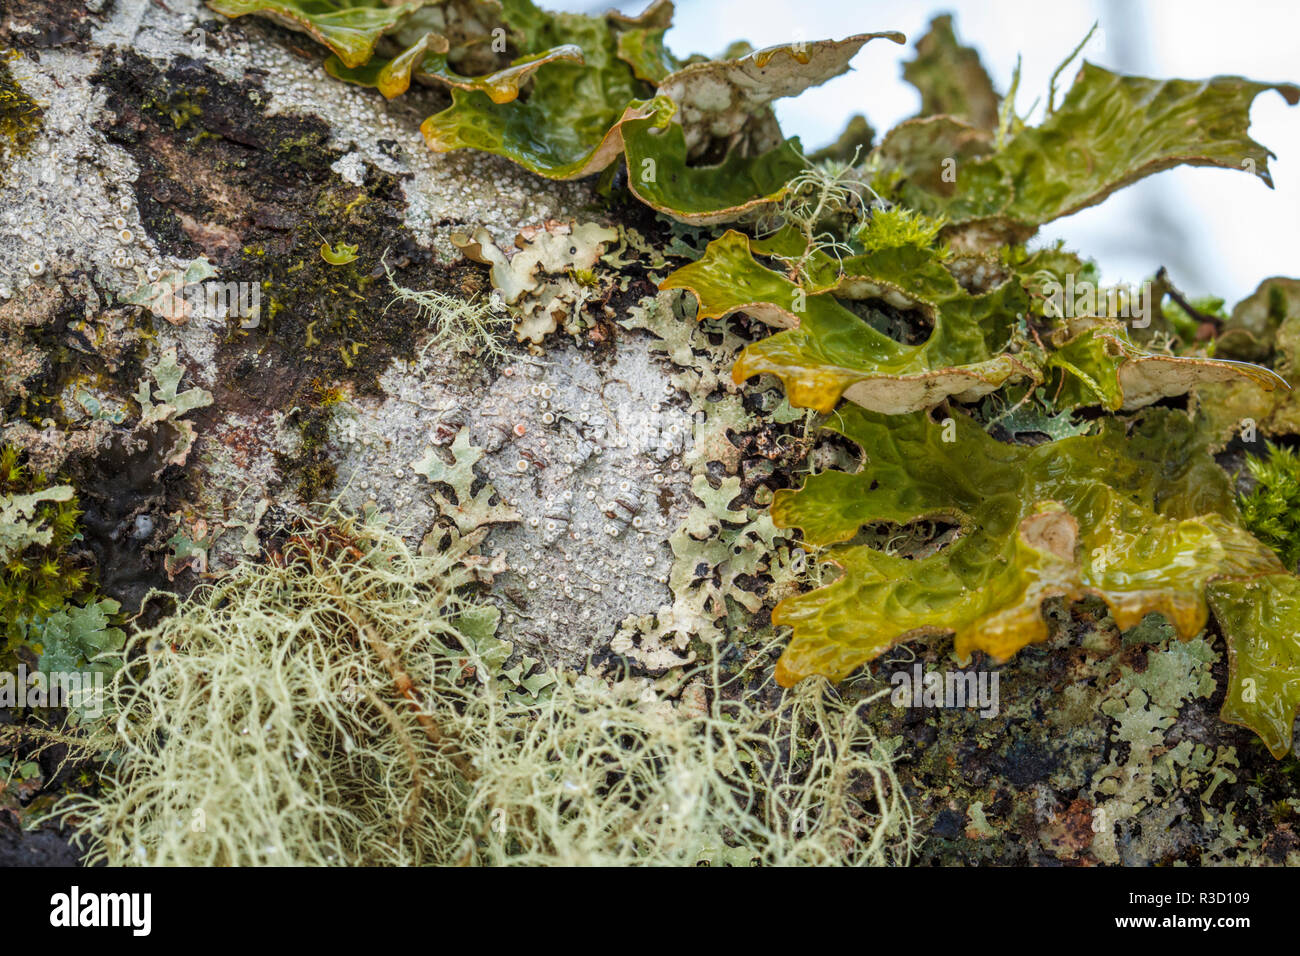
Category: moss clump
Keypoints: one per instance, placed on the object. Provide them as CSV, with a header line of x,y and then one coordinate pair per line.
x,y
20,115
319,304
1271,511
896,227
337,316
40,572
311,464
181,107
346,704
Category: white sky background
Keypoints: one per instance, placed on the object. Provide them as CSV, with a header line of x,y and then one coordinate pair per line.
x,y
1219,231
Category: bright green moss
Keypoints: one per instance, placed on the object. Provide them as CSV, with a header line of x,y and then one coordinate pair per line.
x,y
1271,512
897,227
39,572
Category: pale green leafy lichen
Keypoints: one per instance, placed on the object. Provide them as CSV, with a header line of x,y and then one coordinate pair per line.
x,y
164,404
471,508
47,600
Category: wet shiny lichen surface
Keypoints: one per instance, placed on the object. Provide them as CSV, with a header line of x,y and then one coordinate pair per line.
x,y
675,389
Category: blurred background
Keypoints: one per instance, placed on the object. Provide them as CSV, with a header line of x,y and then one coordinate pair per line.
x,y
1218,231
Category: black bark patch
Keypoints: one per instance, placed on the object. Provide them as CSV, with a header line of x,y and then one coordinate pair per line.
x,y
33,25
255,194
119,484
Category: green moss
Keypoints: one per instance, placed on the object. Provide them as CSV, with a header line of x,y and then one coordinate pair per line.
x,y
310,469
331,312
305,150
49,612
1271,511
318,303
181,107
897,227
20,115
39,578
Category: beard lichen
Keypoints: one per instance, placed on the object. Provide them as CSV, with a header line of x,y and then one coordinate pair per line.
x,y
471,327
345,703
